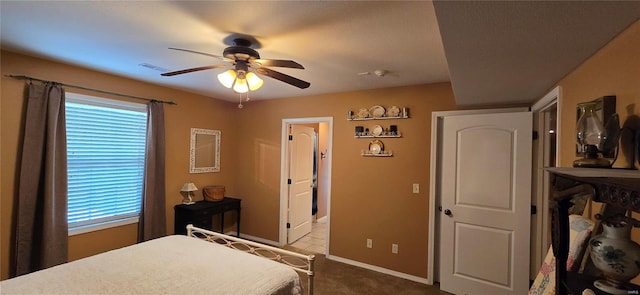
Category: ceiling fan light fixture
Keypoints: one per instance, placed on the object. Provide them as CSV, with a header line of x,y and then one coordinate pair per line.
x,y
247,64
227,78
254,81
241,86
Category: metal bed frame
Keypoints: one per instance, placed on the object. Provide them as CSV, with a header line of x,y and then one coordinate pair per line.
x,y
298,262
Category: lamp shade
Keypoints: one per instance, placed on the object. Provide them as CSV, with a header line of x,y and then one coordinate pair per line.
x,y
254,81
241,86
189,187
227,78
240,83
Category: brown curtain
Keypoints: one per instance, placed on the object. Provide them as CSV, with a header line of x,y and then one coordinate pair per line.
x,y
41,225
153,216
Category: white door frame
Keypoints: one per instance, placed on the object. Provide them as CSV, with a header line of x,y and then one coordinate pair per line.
x,y
434,200
541,198
283,174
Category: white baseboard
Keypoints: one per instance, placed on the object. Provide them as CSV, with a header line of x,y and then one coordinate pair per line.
x,y
343,260
255,239
322,219
380,269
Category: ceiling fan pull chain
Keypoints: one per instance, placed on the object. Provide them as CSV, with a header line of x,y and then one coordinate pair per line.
x,y
240,104
247,98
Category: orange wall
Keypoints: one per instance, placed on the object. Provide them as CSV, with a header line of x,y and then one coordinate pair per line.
x,y
191,111
370,197
614,70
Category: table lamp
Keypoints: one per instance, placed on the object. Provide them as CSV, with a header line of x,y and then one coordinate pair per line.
x,y
188,188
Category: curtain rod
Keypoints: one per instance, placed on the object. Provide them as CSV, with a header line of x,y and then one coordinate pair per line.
x,y
22,77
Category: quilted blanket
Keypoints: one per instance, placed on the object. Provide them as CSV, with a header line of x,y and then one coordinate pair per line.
x,y
169,265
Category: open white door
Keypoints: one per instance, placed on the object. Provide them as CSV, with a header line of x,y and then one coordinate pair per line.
x,y
301,145
485,199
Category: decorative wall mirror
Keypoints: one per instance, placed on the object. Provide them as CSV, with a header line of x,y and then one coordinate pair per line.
x,y
205,151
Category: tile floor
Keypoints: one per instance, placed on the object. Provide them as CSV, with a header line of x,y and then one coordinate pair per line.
x,y
315,240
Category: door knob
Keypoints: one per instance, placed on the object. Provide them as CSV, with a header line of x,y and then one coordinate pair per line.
x,y
447,212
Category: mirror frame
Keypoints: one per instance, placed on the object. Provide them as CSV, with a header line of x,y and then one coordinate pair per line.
x,y
193,153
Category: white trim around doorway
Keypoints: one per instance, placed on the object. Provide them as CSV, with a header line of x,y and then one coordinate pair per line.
x,y
283,177
540,196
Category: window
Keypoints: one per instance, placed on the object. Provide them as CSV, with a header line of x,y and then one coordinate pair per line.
x,y
105,157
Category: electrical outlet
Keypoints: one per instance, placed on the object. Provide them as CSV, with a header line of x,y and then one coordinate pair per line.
x,y
394,248
416,188
369,243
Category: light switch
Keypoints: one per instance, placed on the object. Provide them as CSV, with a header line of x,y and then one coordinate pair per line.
x,y
416,188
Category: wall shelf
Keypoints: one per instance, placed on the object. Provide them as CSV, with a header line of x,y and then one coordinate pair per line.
x,y
378,112
383,154
398,135
376,132
380,118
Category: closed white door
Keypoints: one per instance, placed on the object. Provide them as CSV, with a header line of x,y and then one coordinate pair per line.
x,y
485,199
301,146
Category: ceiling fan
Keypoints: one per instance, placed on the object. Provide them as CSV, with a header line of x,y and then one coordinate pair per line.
x,y
243,57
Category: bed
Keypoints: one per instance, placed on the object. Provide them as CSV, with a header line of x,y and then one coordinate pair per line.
x,y
202,262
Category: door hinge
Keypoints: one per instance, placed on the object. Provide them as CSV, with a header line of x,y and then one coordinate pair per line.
x,y
534,210
535,135
288,225
290,136
289,181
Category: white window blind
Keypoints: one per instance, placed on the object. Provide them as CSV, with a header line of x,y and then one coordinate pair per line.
x,y
105,158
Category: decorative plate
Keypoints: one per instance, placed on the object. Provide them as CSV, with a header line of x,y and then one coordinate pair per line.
x,y
376,130
377,111
376,147
393,111
363,113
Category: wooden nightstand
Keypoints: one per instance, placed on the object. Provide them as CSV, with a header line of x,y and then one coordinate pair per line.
x,y
200,214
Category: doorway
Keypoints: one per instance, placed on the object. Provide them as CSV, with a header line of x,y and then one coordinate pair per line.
x,y
317,240
545,154
437,118
485,229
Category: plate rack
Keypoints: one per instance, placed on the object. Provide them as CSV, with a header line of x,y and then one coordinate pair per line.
x,y
377,112
397,135
383,154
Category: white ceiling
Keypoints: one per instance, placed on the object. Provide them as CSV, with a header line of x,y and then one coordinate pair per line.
x,y
496,52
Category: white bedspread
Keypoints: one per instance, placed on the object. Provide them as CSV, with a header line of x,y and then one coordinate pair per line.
x,y
168,265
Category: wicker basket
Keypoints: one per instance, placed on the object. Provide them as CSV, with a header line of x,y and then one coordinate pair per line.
x,y
213,193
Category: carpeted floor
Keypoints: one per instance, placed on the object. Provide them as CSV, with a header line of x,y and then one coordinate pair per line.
x,y
332,278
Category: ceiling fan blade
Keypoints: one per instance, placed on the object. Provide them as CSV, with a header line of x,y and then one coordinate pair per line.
x,y
279,63
191,70
283,77
202,53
